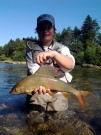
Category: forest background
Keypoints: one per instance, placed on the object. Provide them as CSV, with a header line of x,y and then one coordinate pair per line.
x,y
84,43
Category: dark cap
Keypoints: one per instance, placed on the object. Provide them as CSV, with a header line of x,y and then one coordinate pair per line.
x,y
46,17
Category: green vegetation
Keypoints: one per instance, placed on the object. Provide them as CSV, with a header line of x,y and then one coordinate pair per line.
x,y
13,51
84,43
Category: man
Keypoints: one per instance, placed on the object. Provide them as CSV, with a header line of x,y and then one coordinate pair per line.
x,y
47,51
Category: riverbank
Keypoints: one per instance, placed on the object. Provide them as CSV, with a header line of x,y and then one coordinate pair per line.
x,y
13,62
84,65
90,66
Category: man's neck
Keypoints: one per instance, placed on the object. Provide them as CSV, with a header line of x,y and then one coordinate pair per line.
x,y
46,43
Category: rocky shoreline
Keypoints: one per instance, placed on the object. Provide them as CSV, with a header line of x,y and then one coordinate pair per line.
x,y
14,62
84,65
90,66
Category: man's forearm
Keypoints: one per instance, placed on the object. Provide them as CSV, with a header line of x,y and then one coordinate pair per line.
x,y
63,61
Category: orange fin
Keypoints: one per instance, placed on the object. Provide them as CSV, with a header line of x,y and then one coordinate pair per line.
x,y
86,93
51,94
81,99
66,94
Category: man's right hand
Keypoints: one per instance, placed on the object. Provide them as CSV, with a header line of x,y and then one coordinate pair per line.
x,y
41,90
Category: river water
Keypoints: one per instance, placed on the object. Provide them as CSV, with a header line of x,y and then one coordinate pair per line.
x,y
12,109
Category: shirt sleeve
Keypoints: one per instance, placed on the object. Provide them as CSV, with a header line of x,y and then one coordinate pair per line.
x,y
68,77
65,51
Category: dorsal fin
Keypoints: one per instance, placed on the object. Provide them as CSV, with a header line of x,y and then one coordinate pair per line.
x,y
49,71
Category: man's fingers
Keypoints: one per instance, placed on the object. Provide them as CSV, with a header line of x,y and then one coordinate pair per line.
x,y
41,90
34,91
44,90
43,56
48,90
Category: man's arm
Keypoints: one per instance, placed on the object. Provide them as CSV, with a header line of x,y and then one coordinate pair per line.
x,y
63,59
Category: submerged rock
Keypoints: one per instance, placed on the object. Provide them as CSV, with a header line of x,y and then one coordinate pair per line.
x,y
57,123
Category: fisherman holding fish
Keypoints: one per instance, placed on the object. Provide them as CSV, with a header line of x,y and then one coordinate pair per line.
x,y
49,52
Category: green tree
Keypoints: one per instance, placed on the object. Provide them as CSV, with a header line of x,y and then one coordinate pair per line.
x,y
79,57
66,36
98,56
99,39
89,30
57,36
90,55
1,50
9,48
76,35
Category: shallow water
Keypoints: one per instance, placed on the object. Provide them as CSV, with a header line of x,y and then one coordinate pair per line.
x,y
12,109
88,79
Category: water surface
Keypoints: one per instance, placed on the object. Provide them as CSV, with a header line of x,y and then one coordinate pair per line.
x,y
12,109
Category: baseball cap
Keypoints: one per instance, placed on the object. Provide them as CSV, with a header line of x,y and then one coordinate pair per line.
x,y
46,17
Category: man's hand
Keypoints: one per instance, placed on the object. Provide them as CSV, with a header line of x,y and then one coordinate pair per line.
x,y
44,56
41,90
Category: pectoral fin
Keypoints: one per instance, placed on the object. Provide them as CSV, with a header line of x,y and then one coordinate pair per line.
x,y
66,94
51,94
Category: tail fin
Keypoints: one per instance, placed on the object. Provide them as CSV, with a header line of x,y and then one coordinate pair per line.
x,y
81,97
86,93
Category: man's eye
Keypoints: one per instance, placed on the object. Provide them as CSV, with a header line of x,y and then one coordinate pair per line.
x,y
45,28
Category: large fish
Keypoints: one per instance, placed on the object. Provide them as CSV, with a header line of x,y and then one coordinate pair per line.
x,y
46,76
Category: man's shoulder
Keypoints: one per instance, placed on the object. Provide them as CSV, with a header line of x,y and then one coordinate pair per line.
x,y
60,45
33,45
57,43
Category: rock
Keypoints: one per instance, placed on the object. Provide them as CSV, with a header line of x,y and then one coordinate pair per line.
x,y
90,66
87,65
57,123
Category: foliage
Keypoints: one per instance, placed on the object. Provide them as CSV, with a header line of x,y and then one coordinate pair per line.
x,y
79,58
84,43
89,30
19,56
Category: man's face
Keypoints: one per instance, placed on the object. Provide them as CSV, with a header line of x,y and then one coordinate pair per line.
x,y
46,32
